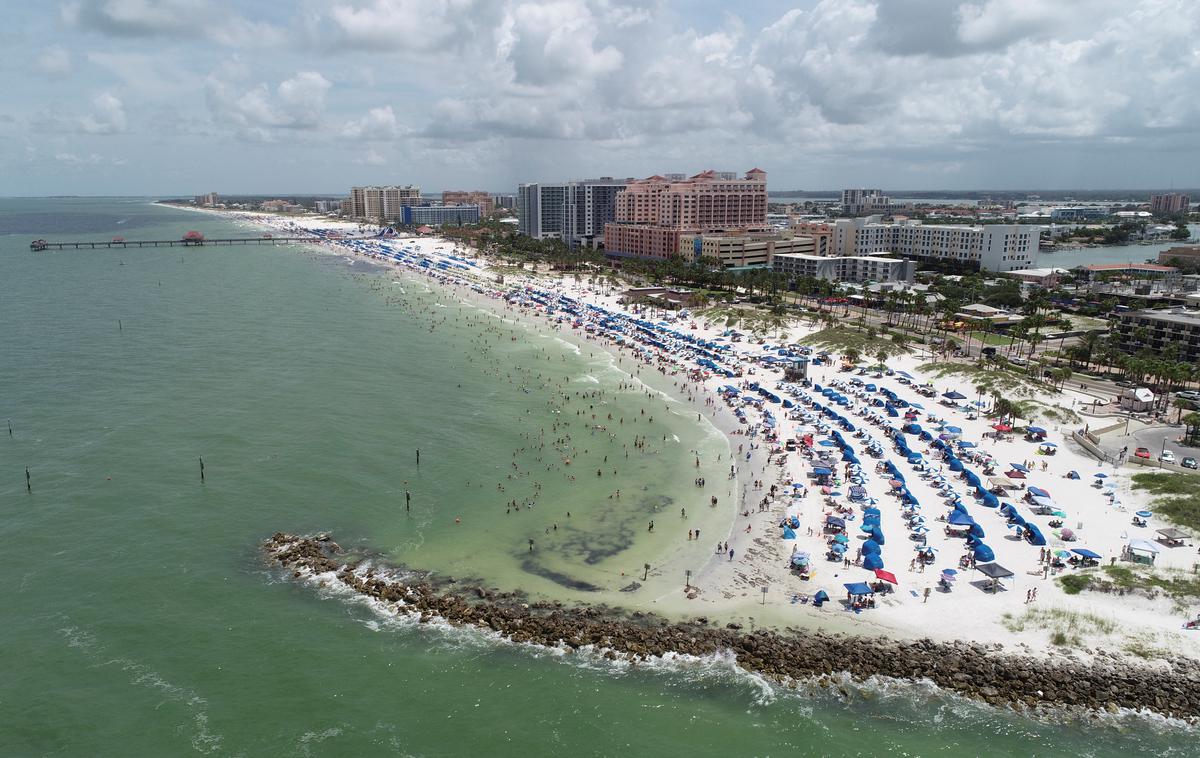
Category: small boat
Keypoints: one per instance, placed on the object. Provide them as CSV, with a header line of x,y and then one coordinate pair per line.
x,y
38,245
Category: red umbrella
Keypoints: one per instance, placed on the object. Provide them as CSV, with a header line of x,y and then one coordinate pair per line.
x,y
1002,427
886,576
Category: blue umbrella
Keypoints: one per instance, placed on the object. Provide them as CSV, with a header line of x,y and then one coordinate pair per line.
x,y
950,572
1100,476
1019,467
1144,514
837,548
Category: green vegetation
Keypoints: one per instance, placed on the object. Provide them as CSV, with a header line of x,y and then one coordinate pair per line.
x,y
1073,584
1176,497
855,344
758,321
1177,584
987,377
1065,627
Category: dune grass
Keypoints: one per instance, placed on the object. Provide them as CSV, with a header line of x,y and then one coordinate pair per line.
x,y
1065,628
1176,496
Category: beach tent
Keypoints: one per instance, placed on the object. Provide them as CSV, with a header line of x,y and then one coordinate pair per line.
x,y
800,559
858,588
1034,535
983,553
820,598
872,562
1083,552
1143,551
870,546
960,518
788,534
952,395
976,531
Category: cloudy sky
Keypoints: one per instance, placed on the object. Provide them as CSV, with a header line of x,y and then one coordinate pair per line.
x,y
185,96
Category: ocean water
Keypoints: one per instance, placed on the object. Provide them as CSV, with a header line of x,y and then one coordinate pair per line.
x,y
140,619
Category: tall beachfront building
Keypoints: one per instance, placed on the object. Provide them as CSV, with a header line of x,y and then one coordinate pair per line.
x,y
382,202
574,212
653,214
990,247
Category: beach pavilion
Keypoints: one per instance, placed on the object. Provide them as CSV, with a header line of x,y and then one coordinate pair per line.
x,y
995,572
1172,537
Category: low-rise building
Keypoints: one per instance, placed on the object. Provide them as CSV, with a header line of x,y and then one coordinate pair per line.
x,y
1041,277
741,250
440,215
990,247
853,268
1157,329
1186,254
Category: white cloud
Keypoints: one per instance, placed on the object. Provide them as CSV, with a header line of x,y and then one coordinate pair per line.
x,y
107,116
377,124
181,19
371,158
296,103
53,61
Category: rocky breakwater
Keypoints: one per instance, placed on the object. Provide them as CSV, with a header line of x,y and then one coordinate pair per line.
x,y
985,673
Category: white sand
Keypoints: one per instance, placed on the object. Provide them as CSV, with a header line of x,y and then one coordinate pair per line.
x,y
730,589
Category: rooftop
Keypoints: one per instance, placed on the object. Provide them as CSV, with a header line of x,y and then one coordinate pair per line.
x,y
1170,315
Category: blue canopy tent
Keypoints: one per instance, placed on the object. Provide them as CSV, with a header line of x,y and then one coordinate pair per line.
x,y
952,395
820,598
990,500
1019,467
872,561
983,553
960,518
1085,553
835,521
955,464
858,588
871,546
977,531
1034,535
877,534
788,533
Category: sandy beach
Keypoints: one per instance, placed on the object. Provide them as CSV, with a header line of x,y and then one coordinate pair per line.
x,y
776,482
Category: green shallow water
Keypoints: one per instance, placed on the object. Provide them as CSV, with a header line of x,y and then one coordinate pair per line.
x,y
139,618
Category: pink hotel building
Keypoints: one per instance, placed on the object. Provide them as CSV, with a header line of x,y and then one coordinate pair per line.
x,y
653,214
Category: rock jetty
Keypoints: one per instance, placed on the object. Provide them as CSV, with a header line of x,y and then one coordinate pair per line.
x,y
981,672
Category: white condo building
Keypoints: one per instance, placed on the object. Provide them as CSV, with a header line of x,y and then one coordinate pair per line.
x,y
991,247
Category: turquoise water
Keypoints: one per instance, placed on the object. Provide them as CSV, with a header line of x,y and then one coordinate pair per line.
x,y
141,620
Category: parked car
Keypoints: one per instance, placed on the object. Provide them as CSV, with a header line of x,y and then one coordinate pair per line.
x,y
1167,457
1189,462
1188,395
1142,452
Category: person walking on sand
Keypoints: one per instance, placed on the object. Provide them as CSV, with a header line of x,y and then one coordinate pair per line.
x,y
731,554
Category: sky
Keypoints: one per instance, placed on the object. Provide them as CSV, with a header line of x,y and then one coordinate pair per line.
x,y
161,97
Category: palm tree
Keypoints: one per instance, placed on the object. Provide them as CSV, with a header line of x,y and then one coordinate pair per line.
x,y
1181,405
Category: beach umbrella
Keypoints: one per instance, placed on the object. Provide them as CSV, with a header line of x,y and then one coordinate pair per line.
x,y
920,530
1062,553
1019,467
800,559
1100,476
1085,553
886,576
926,548
788,534
949,572
1144,514
837,548
841,539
